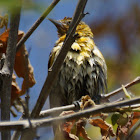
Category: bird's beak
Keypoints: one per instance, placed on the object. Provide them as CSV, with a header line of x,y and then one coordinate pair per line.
x,y
60,27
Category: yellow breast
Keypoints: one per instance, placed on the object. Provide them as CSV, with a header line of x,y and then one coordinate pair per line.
x,y
80,51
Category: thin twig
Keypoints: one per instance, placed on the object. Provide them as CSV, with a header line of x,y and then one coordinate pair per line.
x,y
107,108
49,112
107,96
27,97
37,23
7,70
52,75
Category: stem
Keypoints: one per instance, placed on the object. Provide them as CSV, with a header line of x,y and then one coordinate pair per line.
x,y
107,96
36,24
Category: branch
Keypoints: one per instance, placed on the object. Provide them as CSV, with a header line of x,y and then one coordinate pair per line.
x,y
105,97
107,108
7,70
52,74
36,24
49,112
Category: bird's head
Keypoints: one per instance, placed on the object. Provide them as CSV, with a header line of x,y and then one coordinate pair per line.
x,y
63,26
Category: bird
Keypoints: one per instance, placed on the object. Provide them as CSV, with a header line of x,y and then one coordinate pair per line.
x,y
84,70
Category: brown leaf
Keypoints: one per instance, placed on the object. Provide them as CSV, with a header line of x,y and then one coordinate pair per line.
x,y
82,132
103,116
80,125
15,93
22,66
107,133
4,21
105,138
69,136
136,117
4,36
123,130
67,126
4,39
24,69
1,45
64,129
106,129
99,123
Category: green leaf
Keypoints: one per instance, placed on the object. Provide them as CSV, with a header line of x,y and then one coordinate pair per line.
x,y
115,117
